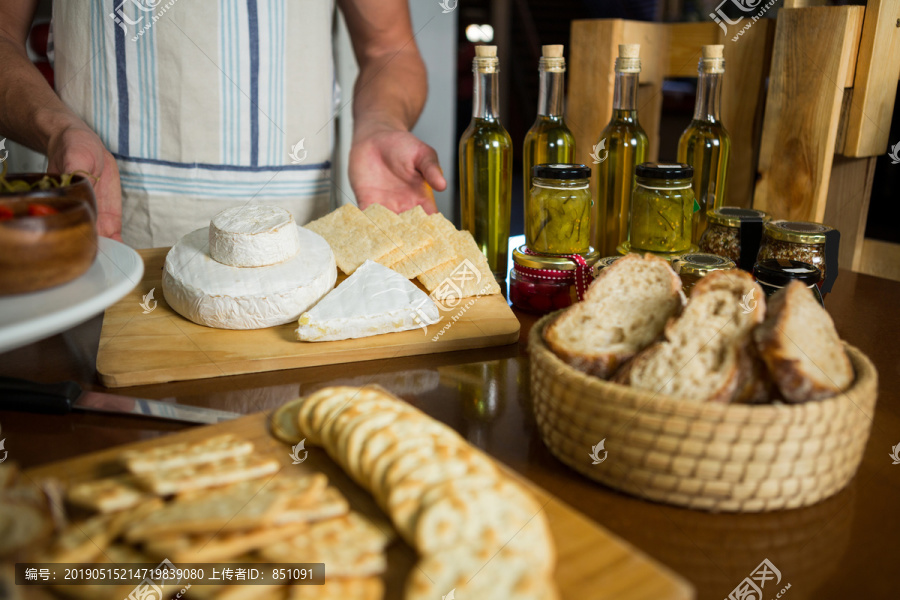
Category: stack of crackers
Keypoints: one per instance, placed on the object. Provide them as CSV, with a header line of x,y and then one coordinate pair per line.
x,y
218,501
476,531
418,246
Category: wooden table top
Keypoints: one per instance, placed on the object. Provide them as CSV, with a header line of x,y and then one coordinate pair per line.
x,y
845,547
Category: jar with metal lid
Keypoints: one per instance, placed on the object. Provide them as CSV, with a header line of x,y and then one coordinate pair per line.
x,y
723,231
540,284
696,265
772,274
662,208
558,209
795,240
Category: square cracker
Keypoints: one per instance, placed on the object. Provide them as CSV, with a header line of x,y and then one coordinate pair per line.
x,y
467,273
107,495
408,239
353,238
437,228
183,454
206,475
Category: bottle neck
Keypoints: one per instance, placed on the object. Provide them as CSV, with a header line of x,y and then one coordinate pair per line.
x,y
486,99
550,94
625,92
709,93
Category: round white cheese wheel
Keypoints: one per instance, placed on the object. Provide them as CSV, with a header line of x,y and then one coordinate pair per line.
x,y
253,236
217,295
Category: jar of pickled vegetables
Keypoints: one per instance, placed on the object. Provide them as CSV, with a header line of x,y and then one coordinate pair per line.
x,y
795,240
540,283
662,208
558,209
696,265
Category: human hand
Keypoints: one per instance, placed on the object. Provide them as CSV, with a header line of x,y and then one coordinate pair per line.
x,y
395,168
77,148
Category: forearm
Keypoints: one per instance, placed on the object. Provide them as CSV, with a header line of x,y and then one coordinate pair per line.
x,y
30,111
390,91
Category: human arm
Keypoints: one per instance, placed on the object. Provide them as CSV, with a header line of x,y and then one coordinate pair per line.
x,y
388,164
32,114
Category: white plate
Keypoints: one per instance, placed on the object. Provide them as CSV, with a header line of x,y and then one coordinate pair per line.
x,y
27,318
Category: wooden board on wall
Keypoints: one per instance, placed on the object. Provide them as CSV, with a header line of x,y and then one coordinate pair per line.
x,y
811,55
847,208
875,81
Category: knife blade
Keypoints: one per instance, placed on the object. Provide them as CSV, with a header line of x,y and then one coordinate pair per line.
x,y
63,397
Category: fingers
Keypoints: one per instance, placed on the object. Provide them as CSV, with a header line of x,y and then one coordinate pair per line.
x,y
428,165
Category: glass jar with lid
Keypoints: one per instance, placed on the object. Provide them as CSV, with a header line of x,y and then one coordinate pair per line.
x,y
694,266
662,208
539,283
772,274
558,209
723,231
795,240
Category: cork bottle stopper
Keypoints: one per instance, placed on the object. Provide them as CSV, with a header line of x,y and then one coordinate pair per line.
x,y
552,51
713,51
629,50
486,51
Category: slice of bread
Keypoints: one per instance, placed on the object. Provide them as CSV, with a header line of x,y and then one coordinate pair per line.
x,y
701,358
801,347
624,309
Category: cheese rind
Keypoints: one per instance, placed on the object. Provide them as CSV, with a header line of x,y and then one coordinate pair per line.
x,y
210,293
372,301
253,236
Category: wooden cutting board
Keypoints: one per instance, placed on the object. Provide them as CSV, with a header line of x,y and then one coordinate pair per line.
x,y
138,347
591,562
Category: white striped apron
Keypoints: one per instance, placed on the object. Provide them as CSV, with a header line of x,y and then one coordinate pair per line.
x,y
201,103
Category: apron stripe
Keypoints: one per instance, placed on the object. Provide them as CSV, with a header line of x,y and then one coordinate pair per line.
x,y
182,165
253,26
122,86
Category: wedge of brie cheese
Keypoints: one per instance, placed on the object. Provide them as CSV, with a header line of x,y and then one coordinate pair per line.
x,y
372,301
214,294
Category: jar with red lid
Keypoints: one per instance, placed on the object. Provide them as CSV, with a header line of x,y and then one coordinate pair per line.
x,y
541,284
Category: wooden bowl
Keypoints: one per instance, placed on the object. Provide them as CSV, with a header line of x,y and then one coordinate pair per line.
x,y
40,252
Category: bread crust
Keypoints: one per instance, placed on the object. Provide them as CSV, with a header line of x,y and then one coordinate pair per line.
x,y
795,385
602,364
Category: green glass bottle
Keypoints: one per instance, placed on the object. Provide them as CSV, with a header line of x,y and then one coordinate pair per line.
x,y
549,140
705,145
485,166
621,146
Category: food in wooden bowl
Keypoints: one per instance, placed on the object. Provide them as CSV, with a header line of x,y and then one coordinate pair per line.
x,y
48,233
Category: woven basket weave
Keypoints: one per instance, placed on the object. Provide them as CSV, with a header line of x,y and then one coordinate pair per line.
x,y
721,457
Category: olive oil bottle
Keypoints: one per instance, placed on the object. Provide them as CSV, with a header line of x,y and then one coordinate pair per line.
x,y
621,146
549,140
705,145
485,166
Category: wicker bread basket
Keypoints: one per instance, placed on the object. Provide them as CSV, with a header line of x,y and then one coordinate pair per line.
x,y
720,457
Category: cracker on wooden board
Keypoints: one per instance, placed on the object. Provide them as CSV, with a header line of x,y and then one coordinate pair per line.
x,y
465,275
409,239
210,474
479,573
222,547
106,495
330,504
209,514
182,454
353,238
437,228
344,588
284,422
